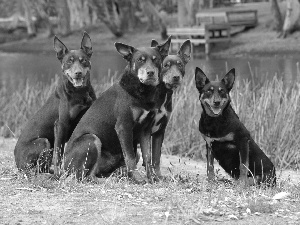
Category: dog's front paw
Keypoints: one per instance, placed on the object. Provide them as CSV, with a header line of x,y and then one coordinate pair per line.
x,y
151,174
137,177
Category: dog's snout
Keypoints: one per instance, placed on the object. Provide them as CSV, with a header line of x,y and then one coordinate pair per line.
x,y
176,78
217,103
78,74
150,73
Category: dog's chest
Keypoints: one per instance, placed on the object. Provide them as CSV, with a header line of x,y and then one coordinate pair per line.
x,y
140,115
161,115
226,138
78,105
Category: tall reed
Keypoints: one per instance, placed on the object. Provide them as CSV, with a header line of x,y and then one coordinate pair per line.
x,y
269,110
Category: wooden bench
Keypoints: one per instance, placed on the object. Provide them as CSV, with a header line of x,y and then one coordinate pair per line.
x,y
247,18
206,34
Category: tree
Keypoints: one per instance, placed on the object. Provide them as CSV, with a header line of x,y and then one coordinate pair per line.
x,y
80,15
43,10
291,17
187,10
110,14
28,18
151,12
275,11
63,13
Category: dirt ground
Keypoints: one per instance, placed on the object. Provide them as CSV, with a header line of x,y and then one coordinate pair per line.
x,y
185,198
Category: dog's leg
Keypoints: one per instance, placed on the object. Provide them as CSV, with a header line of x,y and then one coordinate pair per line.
x,y
145,141
244,160
93,172
210,162
124,129
157,140
60,133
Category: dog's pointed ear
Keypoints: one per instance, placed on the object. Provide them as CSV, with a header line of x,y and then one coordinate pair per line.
x,y
185,51
86,44
228,79
201,79
125,50
154,43
164,48
60,48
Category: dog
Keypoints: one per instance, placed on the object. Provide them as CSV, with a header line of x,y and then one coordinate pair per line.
x,y
173,71
53,124
104,137
227,139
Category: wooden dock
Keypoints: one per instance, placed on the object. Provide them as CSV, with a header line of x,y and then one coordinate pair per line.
x,y
205,34
214,27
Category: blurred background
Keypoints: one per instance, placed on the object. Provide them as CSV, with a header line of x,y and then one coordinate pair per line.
x,y
268,47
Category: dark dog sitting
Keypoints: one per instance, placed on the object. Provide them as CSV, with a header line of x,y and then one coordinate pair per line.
x,y
172,73
227,139
103,139
53,124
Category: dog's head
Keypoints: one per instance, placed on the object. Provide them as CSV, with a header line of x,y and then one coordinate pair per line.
x,y
173,66
214,95
76,64
145,62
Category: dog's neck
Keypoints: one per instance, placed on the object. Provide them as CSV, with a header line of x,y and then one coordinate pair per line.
x,y
144,93
219,125
164,93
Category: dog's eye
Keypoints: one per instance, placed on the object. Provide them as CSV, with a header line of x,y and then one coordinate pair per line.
x,y
179,64
70,61
221,91
141,59
84,61
168,64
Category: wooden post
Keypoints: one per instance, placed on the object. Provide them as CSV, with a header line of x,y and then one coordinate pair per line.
x,y
207,36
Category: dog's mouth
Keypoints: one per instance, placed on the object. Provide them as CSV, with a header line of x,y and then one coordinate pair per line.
x,y
216,110
149,81
77,82
173,85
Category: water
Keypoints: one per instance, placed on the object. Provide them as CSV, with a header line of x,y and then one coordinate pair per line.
x,y
18,68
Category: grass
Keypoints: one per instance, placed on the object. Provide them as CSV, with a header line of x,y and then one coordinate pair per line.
x,y
185,198
268,109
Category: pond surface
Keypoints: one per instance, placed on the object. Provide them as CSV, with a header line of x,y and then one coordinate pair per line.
x,y
18,68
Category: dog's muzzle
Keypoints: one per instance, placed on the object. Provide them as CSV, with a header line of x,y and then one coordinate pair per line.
x,y
148,76
77,75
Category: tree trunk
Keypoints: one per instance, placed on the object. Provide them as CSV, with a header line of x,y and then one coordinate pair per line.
x,y
63,17
79,13
28,18
181,15
275,11
40,7
291,17
192,7
150,10
107,14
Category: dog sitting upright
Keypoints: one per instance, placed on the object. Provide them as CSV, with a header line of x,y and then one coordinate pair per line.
x,y
227,139
172,73
53,124
103,139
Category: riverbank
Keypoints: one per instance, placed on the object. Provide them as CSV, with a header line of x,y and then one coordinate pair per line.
x,y
259,40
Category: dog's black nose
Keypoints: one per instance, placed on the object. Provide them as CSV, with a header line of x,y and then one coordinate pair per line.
x,y
150,73
217,103
78,74
176,78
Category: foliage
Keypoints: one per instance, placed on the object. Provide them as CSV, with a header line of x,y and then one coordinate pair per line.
x,y
269,111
